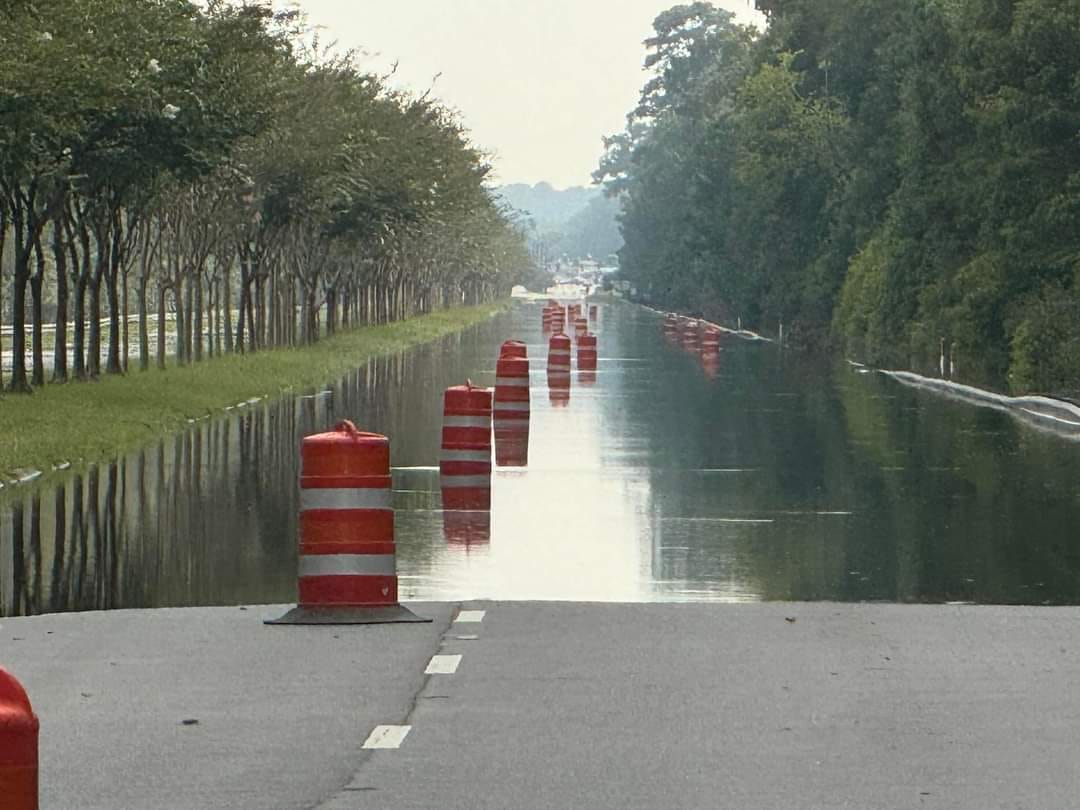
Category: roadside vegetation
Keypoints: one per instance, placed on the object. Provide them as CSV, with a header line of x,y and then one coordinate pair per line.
x,y
126,412
214,165
895,177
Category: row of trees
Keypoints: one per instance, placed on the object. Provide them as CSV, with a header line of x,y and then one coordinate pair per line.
x,y
897,175
211,164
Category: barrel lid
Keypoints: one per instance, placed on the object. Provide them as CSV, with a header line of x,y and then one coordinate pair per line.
x,y
345,432
513,348
345,451
560,338
468,397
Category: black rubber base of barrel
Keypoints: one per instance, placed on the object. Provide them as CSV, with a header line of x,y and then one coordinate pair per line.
x,y
393,614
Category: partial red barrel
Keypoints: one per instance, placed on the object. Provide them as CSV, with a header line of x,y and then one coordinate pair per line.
x,y
586,353
465,464
546,318
592,312
18,747
348,565
558,370
513,348
671,325
558,320
710,364
511,404
581,327
710,340
467,530
690,334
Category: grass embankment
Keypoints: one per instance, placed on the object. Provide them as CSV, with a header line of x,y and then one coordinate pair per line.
x,y
85,422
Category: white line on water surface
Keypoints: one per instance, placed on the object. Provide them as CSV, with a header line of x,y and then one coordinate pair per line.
x,y
387,736
471,616
443,665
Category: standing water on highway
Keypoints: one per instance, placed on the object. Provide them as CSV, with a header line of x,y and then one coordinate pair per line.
x,y
765,476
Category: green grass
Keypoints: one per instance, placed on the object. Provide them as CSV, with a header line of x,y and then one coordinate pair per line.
x,y
81,423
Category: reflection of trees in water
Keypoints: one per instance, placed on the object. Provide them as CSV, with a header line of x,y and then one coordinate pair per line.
x,y
950,502
208,516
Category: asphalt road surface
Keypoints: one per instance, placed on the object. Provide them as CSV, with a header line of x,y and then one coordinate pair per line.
x,y
559,705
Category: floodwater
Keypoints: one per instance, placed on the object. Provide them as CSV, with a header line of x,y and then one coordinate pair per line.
x,y
762,477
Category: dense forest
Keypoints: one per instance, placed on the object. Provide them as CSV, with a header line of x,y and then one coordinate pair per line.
x,y
896,177
210,175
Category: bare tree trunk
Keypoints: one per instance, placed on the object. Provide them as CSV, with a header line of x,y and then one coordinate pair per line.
x,y
3,243
60,362
162,290
181,319
19,381
93,358
38,351
112,361
126,315
212,316
196,308
144,332
227,283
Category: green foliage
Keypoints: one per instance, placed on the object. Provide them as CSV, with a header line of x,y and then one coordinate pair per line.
x,y
898,173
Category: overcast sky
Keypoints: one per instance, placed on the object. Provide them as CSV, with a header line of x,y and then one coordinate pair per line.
x,y
538,83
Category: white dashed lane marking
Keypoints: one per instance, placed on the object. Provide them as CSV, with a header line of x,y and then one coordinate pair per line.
x,y
387,736
443,665
470,616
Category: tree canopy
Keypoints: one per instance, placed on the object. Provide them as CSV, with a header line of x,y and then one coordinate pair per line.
x,y
889,176
265,188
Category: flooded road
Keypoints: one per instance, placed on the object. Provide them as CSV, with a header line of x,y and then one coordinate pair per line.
x,y
765,477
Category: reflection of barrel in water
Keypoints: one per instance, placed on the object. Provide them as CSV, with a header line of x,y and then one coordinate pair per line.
x,y
710,364
512,408
467,530
558,370
465,462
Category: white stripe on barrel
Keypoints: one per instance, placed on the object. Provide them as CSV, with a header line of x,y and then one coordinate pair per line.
x,y
347,565
466,421
343,498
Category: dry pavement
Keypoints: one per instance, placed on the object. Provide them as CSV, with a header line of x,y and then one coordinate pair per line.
x,y
560,705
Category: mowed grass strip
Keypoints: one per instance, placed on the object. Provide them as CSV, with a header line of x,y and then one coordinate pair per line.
x,y
81,423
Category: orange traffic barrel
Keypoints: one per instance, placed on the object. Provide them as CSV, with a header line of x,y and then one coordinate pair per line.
x,y
18,747
513,348
592,312
710,340
671,325
559,354
690,334
558,370
465,463
586,353
511,406
348,563
581,327
546,319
